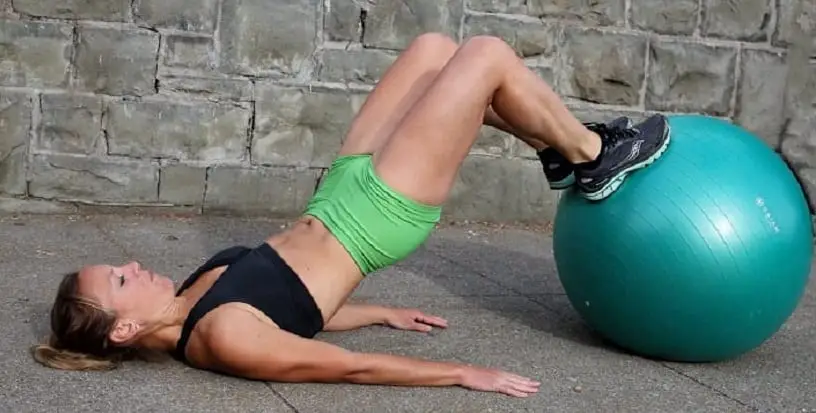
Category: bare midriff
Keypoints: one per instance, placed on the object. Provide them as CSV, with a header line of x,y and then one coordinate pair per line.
x,y
322,263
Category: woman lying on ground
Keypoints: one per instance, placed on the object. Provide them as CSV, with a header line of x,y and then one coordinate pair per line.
x,y
252,312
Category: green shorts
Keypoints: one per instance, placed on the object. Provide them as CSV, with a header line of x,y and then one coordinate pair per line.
x,y
375,224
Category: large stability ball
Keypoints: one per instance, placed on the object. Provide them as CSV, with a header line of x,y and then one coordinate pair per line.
x,y
700,257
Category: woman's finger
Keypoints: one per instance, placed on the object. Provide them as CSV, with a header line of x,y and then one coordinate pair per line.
x,y
435,321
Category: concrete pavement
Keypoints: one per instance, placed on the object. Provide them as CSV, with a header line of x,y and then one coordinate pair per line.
x,y
496,286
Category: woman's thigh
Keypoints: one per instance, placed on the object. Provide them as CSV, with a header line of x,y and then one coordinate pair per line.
x,y
405,81
423,155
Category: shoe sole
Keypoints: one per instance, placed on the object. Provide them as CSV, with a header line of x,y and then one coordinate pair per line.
x,y
618,180
564,183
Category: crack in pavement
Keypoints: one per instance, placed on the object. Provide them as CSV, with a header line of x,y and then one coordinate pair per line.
x,y
283,399
710,387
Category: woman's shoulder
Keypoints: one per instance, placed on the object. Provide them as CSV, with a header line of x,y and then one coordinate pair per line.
x,y
227,329
231,320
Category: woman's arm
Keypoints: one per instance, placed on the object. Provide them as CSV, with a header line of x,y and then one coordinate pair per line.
x,y
259,351
354,316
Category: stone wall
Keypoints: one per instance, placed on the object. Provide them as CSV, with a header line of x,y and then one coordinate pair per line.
x,y
239,105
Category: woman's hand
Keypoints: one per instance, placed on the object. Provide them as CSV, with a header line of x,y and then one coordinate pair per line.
x,y
413,320
483,379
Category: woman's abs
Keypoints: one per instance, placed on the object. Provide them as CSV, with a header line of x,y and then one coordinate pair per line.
x,y
325,267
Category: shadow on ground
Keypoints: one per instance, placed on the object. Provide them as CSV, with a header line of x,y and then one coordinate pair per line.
x,y
530,278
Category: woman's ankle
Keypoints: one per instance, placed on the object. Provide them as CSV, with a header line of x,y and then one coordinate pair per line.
x,y
586,148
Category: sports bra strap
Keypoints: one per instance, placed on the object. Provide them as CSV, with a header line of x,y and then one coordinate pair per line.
x,y
223,257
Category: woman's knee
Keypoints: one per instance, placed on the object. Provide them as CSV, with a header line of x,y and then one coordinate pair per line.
x,y
485,56
435,47
488,48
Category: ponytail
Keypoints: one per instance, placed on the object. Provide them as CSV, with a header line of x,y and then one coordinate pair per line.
x,y
54,357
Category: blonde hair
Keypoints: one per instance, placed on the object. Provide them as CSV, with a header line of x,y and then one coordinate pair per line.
x,y
79,333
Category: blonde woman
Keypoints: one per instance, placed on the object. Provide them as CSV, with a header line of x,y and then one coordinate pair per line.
x,y
254,312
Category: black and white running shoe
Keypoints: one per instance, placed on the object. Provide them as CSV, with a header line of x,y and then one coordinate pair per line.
x,y
558,170
623,150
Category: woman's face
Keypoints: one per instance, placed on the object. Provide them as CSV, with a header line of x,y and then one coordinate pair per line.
x,y
138,297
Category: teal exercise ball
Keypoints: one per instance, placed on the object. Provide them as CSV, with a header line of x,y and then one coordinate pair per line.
x,y
700,257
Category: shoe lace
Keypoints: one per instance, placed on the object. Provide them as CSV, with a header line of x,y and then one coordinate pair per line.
x,y
612,136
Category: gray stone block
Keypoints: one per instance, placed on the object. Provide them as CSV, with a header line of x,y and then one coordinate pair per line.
x,y
521,150
188,15
528,39
603,67
760,105
189,52
499,6
12,171
799,144
70,123
300,127
364,66
394,24
492,142
182,184
504,190
216,89
678,17
746,20
111,10
193,130
793,13
546,73
93,179
261,36
691,77
807,176
34,54
799,140
117,62
589,12
275,192
344,20
15,122
34,206
592,113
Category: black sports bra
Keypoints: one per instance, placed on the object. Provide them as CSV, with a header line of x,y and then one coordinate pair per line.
x,y
258,277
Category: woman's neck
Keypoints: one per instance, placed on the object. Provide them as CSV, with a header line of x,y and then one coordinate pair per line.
x,y
164,334
163,339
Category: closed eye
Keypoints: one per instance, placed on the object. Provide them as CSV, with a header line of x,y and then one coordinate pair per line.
x,y
120,277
